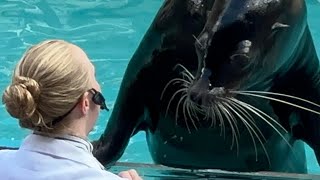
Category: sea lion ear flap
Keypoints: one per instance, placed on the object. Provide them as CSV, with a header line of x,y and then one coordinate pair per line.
x,y
279,25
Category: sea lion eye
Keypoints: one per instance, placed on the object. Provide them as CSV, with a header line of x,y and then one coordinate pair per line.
x,y
241,56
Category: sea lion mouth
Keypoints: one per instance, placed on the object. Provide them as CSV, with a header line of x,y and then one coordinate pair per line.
x,y
202,92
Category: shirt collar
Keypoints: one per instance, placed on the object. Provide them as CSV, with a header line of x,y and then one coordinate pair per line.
x,y
64,146
76,141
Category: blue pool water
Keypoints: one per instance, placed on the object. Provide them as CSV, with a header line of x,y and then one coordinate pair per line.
x,y
109,30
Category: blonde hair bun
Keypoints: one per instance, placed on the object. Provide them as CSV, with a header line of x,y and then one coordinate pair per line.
x,y
21,98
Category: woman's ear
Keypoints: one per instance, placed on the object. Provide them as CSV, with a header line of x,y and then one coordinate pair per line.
x,y
85,104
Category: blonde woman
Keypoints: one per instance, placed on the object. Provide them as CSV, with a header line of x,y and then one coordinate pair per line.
x,y
55,94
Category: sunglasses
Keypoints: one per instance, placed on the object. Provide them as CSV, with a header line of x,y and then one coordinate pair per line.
x,y
98,99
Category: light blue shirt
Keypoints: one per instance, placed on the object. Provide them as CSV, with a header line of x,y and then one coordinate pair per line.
x,y
59,158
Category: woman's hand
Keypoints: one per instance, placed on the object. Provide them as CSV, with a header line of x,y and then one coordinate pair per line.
x,y
130,175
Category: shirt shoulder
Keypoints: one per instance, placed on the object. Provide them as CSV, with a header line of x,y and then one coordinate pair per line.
x,y
5,154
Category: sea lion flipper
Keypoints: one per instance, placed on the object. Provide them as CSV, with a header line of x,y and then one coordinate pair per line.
x,y
112,143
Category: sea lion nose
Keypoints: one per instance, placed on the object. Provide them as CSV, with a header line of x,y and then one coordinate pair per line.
x,y
201,86
205,73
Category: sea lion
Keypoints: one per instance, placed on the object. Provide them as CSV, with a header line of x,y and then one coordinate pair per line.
x,y
224,84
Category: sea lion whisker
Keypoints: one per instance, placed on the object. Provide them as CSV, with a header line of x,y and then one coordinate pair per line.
x,y
213,119
250,128
186,75
232,107
185,70
185,117
223,131
193,109
233,124
171,81
172,97
211,110
241,110
197,40
225,101
183,84
178,105
281,101
186,107
197,108
280,94
260,113
181,81
208,115
201,108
